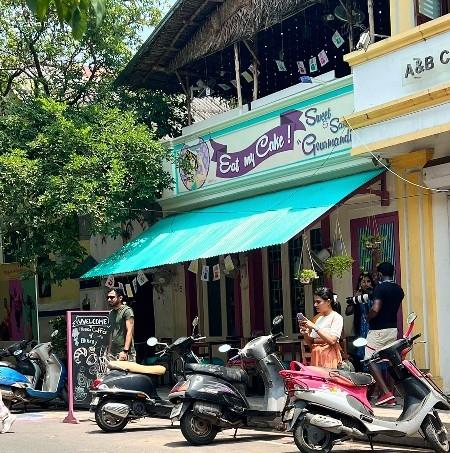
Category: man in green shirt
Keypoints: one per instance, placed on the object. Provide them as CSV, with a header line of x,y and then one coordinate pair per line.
x,y
121,321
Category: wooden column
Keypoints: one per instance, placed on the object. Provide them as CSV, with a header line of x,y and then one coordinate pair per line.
x,y
371,21
187,93
238,74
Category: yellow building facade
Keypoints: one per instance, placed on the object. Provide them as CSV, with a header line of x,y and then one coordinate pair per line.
x,y
402,94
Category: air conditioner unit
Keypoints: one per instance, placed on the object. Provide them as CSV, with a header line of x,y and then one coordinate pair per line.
x,y
436,173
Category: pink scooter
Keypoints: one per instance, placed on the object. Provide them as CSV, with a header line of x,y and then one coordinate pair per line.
x,y
327,406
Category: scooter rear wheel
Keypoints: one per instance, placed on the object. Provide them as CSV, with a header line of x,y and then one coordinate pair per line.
x,y
312,439
435,433
108,422
196,430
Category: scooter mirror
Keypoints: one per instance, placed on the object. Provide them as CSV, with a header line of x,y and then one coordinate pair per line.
x,y
277,320
195,322
411,318
17,353
360,342
224,348
54,333
152,341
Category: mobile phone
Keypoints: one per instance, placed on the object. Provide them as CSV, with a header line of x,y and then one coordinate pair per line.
x,y
300,317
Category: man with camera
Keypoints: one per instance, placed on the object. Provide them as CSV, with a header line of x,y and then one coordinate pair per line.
x,y
387,298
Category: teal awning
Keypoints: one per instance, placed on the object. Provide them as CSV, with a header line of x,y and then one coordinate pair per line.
x,y
236,226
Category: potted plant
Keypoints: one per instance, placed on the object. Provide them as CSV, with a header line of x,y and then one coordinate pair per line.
x,y
372,241
306,275
337,265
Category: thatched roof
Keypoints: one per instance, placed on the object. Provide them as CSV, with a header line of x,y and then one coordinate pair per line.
x,y
193,29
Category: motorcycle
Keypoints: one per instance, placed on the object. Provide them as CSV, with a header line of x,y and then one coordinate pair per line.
x,y
38,377
128,392
211,397
329,406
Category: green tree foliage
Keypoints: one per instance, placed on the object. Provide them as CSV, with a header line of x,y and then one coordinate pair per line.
x,y
71,146
42,57
59,163
73,13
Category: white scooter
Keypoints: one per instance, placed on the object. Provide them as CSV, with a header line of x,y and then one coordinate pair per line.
x,y
328,406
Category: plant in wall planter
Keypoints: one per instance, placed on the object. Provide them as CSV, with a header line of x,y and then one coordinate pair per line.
x,y
337,265
372,241
305,276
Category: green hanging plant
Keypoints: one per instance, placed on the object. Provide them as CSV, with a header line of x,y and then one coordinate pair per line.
x,y
337,265
306,275
372,241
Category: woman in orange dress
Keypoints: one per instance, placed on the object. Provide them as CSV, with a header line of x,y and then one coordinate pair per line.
x,y
323,335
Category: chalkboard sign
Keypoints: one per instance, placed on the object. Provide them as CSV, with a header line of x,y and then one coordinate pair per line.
x,y
88,344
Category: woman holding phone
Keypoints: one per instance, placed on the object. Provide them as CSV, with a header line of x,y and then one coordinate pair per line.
x,y
323,335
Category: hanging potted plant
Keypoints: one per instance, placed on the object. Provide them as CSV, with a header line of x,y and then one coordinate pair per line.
x,y
305,276
337,265
372,241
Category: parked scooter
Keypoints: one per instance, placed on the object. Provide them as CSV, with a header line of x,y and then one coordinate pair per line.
x,y
38,376
212,397
328,406
128,392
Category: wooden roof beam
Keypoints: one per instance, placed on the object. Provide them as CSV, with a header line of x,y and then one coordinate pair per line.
x,y
235,21
174,40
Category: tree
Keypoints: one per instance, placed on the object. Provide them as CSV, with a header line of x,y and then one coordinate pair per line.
x,y
75,14
41,57
59,163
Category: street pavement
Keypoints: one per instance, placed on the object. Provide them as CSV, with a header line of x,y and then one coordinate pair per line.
x,y
45,432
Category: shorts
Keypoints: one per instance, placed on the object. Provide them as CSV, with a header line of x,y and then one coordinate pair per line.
x,y
378,339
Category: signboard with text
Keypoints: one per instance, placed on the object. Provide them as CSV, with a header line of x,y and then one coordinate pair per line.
x,y
88,343
284,138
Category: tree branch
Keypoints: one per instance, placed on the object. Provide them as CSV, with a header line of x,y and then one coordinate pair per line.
x,y
10,81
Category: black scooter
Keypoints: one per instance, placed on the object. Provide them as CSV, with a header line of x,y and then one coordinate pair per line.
x,y
212,398
128,392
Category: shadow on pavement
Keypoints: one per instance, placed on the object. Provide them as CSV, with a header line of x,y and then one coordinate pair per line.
x,y
228,440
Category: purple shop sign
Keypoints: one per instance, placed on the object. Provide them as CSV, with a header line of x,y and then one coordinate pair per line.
x,y
279,139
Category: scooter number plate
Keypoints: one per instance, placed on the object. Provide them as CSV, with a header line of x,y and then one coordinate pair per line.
x,y
289,414
176,411
94,402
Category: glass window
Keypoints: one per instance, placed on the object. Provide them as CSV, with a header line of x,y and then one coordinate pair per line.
x,y
316,239
297,289
275,281
427,10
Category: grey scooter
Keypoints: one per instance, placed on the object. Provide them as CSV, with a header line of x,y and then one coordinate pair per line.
x,y
211,397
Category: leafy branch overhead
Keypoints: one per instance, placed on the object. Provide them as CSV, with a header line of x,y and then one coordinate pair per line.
x,y
75,13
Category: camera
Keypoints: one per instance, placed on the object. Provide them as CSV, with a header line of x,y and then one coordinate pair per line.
x,y
359,299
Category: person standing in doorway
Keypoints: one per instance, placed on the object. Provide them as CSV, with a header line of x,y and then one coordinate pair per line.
x,y
121,321
382,317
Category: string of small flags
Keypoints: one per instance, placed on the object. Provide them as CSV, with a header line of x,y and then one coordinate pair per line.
x,y
205,274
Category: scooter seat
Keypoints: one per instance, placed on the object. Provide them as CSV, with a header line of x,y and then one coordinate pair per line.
x,y
133,367
7,364
235,375
351,378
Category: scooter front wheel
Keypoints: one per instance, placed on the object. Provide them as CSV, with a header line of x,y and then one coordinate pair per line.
x,y
312,439
196,430
108,422
435,433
